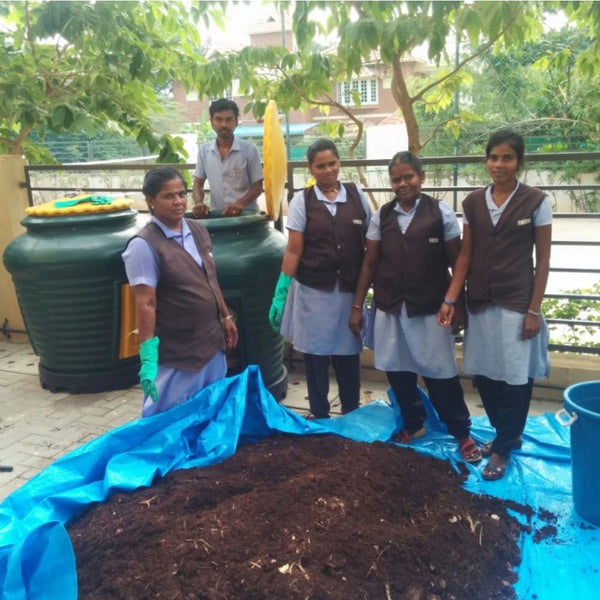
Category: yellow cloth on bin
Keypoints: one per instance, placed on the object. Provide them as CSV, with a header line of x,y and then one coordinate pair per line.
x,y
49,209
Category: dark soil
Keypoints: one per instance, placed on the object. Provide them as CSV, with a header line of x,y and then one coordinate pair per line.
x,y
309,517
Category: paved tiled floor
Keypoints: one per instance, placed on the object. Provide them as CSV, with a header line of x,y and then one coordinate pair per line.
x,y
37,426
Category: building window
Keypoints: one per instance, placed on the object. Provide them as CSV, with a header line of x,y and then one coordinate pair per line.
x,y
226,94
229,93
193,96
366,88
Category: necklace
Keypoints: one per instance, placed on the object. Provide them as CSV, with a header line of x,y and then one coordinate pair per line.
x,y
335,189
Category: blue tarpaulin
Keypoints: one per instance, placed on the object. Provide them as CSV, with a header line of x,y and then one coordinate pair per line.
x,y
37,560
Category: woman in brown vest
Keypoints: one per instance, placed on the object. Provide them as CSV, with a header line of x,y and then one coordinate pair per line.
x,y
411,243
506,342
182,318
326,224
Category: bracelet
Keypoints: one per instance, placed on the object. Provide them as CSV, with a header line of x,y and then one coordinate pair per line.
x,y
534,313
448,302
227,317
356,307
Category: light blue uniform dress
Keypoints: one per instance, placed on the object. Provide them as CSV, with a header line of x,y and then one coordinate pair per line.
x,y
416,344
174,386
493,346
315,321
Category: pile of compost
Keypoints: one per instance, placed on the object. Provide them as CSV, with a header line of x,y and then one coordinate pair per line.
x,y
306,517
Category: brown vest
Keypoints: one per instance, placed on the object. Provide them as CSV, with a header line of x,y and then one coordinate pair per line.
x,y
333,246
187,312
412,266
501,270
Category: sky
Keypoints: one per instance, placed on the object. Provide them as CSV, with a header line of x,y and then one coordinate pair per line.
x,y
239,19
241,16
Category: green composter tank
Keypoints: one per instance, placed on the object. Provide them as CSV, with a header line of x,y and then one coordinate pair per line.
x,y
68,276
71,286
248,254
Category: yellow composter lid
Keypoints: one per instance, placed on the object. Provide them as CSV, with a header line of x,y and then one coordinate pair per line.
x,y
80,204
275,160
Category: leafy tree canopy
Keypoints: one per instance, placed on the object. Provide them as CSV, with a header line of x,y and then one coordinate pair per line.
x,y
587,16
387,32
92,66
535,88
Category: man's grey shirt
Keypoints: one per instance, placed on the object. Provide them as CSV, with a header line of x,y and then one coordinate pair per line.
x,y
231,177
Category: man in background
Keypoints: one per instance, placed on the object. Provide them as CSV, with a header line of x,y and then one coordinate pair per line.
x,y
231,165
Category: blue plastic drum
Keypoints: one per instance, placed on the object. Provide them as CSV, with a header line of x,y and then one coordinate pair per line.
x,y
582,403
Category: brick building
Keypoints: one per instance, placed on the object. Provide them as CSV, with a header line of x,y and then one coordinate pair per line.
x,y
378,107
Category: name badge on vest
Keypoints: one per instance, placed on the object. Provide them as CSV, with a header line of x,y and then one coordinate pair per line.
x,y
357,221
523,222
434,240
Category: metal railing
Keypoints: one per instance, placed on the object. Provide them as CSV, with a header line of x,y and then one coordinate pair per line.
x,y
293,167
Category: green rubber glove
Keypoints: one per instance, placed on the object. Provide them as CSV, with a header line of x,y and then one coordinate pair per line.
x,y
278,302
91,199
149,368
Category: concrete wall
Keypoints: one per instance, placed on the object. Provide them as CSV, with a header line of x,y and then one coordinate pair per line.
x,y
13,202
384,141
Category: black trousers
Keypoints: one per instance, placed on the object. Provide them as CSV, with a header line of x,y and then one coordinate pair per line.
x,y
447,398
506,407
347,374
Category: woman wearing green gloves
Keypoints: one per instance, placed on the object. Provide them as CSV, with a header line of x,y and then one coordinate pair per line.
x,y
326,226
182,318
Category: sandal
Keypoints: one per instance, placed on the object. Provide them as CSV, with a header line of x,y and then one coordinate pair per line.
x,y
405,436
486,449
469,451
493,472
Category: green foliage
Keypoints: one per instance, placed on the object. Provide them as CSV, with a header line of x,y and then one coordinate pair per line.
x,y
538,87
586,15
570,171
72,147
91,67
535,88
576,310
367,33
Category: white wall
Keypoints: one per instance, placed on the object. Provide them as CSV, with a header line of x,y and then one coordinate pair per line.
x,y
383,141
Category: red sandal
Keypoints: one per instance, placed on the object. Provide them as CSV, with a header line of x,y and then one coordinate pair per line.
x,y
405,436
469,451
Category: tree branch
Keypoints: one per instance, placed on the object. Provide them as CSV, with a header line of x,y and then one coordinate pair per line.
x,y
5,140
405,103
357,6
462,63
359,124
437,128
29,35
16,145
